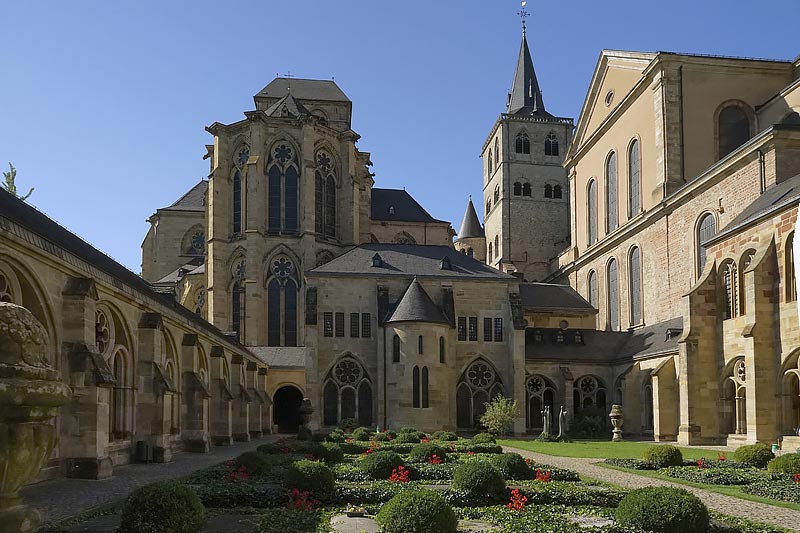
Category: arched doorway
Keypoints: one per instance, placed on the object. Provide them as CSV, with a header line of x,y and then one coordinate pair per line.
x,y
286,408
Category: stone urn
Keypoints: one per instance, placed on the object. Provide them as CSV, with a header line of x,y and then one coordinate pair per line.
x,y
30,394
616,421
306,410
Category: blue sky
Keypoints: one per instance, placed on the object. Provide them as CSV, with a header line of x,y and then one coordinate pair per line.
x,y
103,104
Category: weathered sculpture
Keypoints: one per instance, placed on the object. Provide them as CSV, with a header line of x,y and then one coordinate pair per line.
x,y
546,421
616,421
30,394
562,422
306,410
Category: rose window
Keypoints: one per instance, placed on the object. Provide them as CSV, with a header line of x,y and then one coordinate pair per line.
x,y
323,162
480,375
5,290
242,156
347,372
740,371
282,268
282,153
102,333
535,385
198,242
588,385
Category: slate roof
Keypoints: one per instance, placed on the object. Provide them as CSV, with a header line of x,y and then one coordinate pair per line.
x,y
287,105
417,306
470,225
408,260
406,209
304,89
526,97
552,297
294,356
774,198
655,339
192,267
193,200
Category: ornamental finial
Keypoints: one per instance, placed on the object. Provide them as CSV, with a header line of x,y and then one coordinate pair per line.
x,y
523,15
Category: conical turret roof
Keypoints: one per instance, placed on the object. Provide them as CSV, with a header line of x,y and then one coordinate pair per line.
x,y
470,225
526,97
417,306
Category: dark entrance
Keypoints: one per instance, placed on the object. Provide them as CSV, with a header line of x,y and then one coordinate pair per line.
x,y
286,409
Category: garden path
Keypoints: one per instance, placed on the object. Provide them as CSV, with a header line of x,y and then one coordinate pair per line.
x,y
730,505
62,498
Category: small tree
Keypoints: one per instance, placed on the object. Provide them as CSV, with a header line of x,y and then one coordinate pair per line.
x,y
499,416
10,186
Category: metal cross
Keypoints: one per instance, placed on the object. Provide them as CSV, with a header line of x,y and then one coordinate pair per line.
x,y
523,15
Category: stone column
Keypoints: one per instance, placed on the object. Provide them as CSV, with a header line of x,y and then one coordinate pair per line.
x,y
241,408
221,400
567,384
256,430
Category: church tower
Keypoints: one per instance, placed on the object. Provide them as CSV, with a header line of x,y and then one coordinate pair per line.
x,y
525,187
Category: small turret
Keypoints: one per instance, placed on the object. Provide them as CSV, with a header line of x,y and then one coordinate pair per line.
x,y
471,239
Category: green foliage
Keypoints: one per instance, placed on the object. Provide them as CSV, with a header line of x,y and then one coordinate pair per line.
x,y
369,493
333,453
429,472
511,466
468,446
304,434
785,464
407,437
270,448
500,415
479,479
445,435
588,427
293,520
381,437
782,488
354,447
10,185
336,435
257,464
423,451
361,433
634,464
664,455
349,472
663,510
312,476
407,429
417,511
348,424
757,455
164,507
379,465
484,438
715,476
223,494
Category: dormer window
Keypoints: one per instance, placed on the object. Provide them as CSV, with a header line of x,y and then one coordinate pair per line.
x,y
377,261
444,264
560,337
391,210
578,337
537,336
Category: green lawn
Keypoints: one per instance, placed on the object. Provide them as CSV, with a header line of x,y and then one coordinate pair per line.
x,y
598,449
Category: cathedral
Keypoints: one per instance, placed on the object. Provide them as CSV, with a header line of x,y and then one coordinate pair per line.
x,y
642,256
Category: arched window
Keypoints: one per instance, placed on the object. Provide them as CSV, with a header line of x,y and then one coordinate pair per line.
x,y
635,278
425,398
706,229
488,205
611,192
730,288
497,245
6,291
283,172
634,180
490,254
238,298
282,288
517,189
548,191
613,295
421,345
540,393
121,408
496,194
589,395
325,195
747,259
470,252
396,349
789,275
592,283
490,166
526,189
239,160
415,388
441,350
194,242
347,394
557,191
523,144
478,384
733,129
496,151
591,212
551,144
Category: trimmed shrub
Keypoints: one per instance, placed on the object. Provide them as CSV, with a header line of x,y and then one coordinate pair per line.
x,y
757,455
348,424
335,436
270,447
379,465
361,433
407,429
635,464
417,511
588,427
785,464
445,435
381,437
468,446
716,475
511,466
662,510
257,464
313,476
164,507
304,434
422,452
479,479
229,495
407,437
333,453
484,438
777,489
664,455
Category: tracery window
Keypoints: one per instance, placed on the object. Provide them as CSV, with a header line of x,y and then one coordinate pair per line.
x,y
593,294
591,212
706,229
496,151
488,205
551,144
557,194
199,299
589,395
611,193
238,274
747,259
613,295
396,349
239,160
789,274
282,289
733,128
6,292
325,195
347,393
121,405
496,194
497,245
478,385
103,331
491,163
634,180
526,189
522,143
489,254
548,191
635,279
730,289
283,172
517,189
197,243
540,392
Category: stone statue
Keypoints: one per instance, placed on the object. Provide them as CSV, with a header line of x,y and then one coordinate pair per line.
x,y
562,422
30,394
306,410
546,421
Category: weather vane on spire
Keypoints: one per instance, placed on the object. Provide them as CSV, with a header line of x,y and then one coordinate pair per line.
x,y
523,15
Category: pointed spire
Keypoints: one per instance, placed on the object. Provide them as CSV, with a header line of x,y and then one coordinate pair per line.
x,y
526,97
470,226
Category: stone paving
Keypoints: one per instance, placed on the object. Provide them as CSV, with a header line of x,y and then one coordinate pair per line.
x,y
62,498
730,505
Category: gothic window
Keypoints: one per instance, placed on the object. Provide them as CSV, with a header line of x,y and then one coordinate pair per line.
x,y
199,299
489,255
522,144
366,325
404,238
706,229
789,275
462,327
239,160
283,173
396,349
611,192
324,256
477,385
325,191
540,393
488,205
6,293
421,345
491,163
415,391
747,259
497,245
473,329
548,191
347,394
496,194
733,129
496,151
441,350
238,273
593,289
551,144
517,189
635,278
589,397
121,406
103,336
591,212
282,289
195,241
355,326
730,288
557,192
634,180
526,189
425,398
613,295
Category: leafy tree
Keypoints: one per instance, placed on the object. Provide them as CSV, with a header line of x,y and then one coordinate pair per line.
x,y
10,186
500,415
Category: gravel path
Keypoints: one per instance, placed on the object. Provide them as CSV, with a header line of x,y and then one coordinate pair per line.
x,y
62,498
730,505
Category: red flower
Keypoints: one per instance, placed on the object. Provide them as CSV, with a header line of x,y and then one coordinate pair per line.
x,y
368,450
302,501
517,501
470,452
239,475
435,459
701,463
347,439
425,439
722,456
284,450
542,476
797,478
399,475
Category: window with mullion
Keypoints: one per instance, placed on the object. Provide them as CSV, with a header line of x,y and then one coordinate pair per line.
x,y
473,328
366,325
339,324
487,329
327,324
498,330
462,328
355,326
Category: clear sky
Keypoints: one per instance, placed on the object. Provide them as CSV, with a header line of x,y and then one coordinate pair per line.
x,y
103,104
